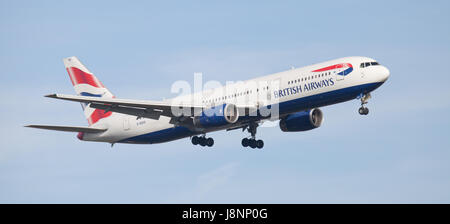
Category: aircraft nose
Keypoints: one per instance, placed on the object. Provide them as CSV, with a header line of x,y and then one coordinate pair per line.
x,y
384,74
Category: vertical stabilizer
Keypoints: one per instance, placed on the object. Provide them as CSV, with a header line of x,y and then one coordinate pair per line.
x,y
86,84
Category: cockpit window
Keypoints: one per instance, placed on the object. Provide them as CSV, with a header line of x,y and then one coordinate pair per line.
x,y
367,64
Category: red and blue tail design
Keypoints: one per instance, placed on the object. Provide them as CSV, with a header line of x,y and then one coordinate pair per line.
x,y
86,84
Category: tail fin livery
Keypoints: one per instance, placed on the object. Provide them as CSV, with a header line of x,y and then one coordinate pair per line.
x,y
86,84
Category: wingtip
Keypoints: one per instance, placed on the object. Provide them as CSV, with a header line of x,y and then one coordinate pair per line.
x,y
54,95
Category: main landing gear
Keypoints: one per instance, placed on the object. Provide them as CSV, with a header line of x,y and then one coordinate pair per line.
x,y
202,141
252,142
364,100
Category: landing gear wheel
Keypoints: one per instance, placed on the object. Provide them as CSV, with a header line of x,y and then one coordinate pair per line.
x,y
252,143
259,144
195,140
202,141
245,142
363,110
366,111
209,142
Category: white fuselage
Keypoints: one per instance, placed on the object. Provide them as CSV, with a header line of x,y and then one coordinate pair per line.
x,y
291,91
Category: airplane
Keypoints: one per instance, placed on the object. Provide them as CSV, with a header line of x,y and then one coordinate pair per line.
x,y
293,97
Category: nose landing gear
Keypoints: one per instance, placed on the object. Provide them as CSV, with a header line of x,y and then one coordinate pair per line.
x,y
364,100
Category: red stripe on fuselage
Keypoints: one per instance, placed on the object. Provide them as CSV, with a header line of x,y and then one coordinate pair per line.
x,y
334,67
79,77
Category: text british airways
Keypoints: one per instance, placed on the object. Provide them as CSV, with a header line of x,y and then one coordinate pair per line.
x,y
305,88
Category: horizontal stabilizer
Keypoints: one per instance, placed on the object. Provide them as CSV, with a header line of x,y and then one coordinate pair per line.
x,y
68,128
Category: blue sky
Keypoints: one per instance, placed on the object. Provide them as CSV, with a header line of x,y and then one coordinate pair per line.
x,y
400,153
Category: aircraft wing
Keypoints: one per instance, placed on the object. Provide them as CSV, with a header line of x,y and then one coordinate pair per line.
x,y
145,108
139,108
68,128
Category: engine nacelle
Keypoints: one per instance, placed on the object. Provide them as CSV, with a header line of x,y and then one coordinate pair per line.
x,y
302,121
217,116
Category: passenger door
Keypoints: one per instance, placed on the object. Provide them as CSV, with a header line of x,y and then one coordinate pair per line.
x,y
126,123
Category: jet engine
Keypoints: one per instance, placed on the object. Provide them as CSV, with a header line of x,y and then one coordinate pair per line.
x,y
217,116
302,121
